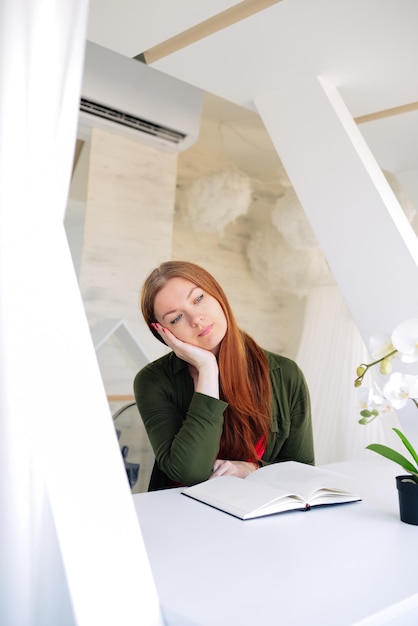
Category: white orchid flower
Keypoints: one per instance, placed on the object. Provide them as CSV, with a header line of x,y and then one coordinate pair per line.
x,y
400,388
402,344
380,345
405,340
373,403
379,400
365,398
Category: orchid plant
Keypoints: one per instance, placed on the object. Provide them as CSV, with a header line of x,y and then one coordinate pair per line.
x,y
402,344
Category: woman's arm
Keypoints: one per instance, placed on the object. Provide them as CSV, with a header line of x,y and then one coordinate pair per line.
x,y
184,426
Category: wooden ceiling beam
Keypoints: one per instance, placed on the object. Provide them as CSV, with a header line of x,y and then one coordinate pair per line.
x,y
208,27
371,117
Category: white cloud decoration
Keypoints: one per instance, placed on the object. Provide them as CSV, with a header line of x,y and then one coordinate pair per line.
x,y
211,202
283,268
288,258
290,220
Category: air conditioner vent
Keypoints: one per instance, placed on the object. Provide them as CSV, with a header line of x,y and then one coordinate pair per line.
x,y
132,99
130,121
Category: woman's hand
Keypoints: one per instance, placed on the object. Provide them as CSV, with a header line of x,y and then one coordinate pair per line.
x,y
241,469
198,357
203,365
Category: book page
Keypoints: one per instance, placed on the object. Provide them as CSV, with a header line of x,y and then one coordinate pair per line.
x,y
305,480
242,498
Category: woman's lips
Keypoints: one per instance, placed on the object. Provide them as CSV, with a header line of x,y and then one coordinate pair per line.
x,y
206,330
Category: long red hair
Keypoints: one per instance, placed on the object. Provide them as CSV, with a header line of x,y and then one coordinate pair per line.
x,y
243,369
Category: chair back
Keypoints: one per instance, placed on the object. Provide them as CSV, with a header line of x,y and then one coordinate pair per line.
x,y
135,447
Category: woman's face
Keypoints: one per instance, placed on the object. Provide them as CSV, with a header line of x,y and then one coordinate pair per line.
x,y
191,314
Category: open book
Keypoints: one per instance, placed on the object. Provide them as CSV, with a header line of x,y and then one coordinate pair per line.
x,y
274,489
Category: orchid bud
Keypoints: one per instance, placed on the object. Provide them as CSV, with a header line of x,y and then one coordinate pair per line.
x,y
386,366
357,382
367,416
361,370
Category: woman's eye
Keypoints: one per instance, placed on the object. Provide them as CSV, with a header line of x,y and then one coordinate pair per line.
x,y
176,319
199,299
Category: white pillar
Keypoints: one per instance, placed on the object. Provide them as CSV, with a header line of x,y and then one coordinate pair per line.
x,y
369,244
70,544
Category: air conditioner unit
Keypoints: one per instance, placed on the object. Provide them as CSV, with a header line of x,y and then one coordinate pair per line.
x,y
127,96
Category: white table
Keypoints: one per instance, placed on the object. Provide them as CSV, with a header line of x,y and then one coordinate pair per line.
x,y
332,566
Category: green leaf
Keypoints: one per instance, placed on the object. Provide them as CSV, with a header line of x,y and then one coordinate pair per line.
x,y
394,456
407,445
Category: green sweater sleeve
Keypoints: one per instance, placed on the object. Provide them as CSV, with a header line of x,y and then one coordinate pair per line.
x,y
184,427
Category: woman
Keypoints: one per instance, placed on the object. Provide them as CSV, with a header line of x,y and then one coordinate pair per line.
x,y
218,403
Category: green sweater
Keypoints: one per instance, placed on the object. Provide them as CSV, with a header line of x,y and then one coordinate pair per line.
x,y
185,427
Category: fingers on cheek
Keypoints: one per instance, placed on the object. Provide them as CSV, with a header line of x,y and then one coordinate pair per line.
x,y
156,326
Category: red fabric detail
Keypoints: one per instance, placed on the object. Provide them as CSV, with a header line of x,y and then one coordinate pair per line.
x,y
260,446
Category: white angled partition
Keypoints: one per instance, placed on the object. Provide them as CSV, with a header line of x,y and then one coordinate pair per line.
x,y
71,548
368,242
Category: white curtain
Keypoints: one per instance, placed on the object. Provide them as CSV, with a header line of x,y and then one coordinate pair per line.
x,y
71,549
330,350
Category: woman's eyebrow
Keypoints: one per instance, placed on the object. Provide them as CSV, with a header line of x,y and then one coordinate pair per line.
x,y
191,291
187,297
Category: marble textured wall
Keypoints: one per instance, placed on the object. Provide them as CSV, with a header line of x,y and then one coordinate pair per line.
x,y
128,229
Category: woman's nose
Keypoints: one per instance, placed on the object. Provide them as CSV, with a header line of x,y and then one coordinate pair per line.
x,y
196,319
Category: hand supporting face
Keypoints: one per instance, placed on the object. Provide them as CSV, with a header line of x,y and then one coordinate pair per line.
x,y
204,365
